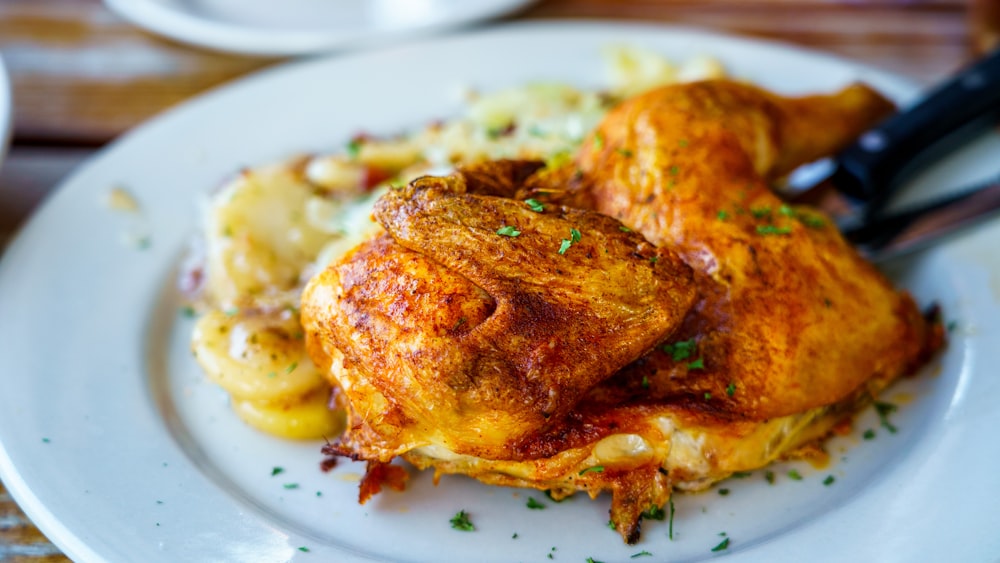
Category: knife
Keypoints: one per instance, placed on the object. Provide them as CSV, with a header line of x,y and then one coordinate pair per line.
x,y
863,177
900,233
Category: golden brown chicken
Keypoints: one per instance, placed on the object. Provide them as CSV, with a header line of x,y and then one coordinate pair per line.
x,y
525,359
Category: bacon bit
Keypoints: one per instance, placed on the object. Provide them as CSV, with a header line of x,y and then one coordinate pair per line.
x,y
372,176
378,474
328,464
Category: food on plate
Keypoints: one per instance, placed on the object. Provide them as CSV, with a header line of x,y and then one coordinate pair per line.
x,y
642,316
271,228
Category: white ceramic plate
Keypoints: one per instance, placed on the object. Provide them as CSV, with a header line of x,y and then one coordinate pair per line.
x,y
296,27
119,449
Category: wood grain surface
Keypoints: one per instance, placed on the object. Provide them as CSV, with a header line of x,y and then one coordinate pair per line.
x,y
82,76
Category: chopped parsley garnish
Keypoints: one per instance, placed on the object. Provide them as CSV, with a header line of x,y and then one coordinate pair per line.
x,y
188,311
592,560
680,350
670,527
884,410
951,326
611,525
794,475
291,486
724,544
829,480
760,212
304,549
461,522
292,367
625,152
786,211
231,311
598,141
769,476
624,229
708,396
812,222
723,492
682,143
272,375
514,537
697,364
869,434
594,469
535,205
354,147
277,471
674,170
461,321
773,230
508,231
564,246
574,235
641,554
654,259
534,504
731,389
645,382
655,513
722,215
741,474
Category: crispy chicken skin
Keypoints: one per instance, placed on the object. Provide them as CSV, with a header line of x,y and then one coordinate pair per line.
x,y
789,332
449,333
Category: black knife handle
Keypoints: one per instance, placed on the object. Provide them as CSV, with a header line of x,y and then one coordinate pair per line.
x,y
873,167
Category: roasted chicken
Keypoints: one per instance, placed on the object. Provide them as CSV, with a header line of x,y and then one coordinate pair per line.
x,y
653,318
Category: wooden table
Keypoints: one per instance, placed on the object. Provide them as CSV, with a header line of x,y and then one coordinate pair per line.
x,y
82,76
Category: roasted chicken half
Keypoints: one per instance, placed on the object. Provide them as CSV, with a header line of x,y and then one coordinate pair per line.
x,y
659,320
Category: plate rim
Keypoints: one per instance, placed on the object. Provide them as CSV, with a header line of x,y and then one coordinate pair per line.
x,y
225,37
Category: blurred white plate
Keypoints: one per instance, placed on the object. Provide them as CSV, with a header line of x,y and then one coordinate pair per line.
x,y
6,110
296,27
119,449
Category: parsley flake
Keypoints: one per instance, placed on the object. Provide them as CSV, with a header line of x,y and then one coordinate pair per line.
x,y
188,312
611,525
760,212
514,537
592,560
786,211
731,389
674,170
460,521
708,396
535,205
680,350
304,549
594,469
722,215
624,229
598,140
643,553
769,476
534,504
277,471
292,367
773,230
645,382
884,410
697,364
354,147
574,235
723,492
741,474
291,486
724,544
564,246
508,231
794,475
682,143
655,513
812,222
670,527
625,152
869,434
829,480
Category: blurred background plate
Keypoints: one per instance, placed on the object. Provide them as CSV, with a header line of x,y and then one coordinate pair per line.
x,y
296,27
